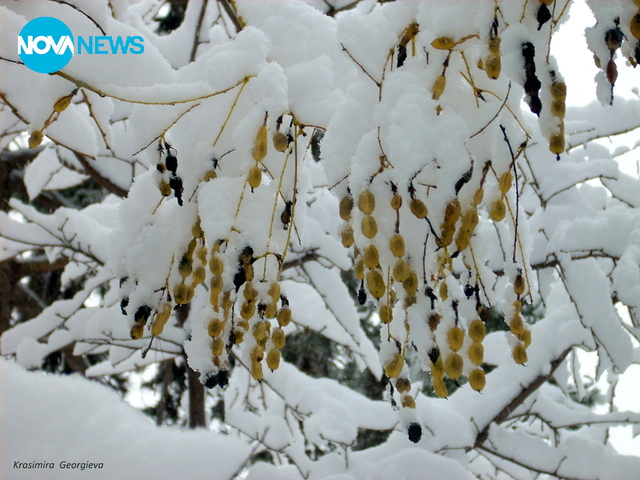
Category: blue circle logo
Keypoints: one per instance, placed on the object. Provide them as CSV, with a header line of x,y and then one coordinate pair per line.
x,y
45,45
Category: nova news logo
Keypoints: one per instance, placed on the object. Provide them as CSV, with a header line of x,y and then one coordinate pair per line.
x,y
46,45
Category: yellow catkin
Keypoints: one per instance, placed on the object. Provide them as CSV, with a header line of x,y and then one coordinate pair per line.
x,y
260,331
271,310
215,327
165,188
346,236
558,108
516,325
260,144
257,354
61,104
635,25
394,366
274,291
443,43
217,347
556,142
493,66
525,338
470,220
453,366
497,211
455,338
452,213
396,202
505,182
410,284
463,239
216,266
518,285
477,379
401,270
439,387
478,196
247,310
199,275
559,91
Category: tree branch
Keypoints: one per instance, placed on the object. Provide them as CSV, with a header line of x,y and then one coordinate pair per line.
x,y
97,177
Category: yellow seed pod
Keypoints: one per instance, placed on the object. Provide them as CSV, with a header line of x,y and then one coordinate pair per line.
x,y
455,338
210,175
61,104
359,268
369,226
248,271
366,202
478,196
216,266
516,325
199,275
505,182
497,211
185,267
371,257
214,299
284,317
180,294
242,323
408,402
463,239
217,347
401,270
518,285
256,371
477,380
444,291
254,177
517,305
439,387
261,330
519,354
558,108
476,353
453,366
434,321
559,91
191,291
278,338
394,366
257,354
409,300
493,66
375,284
437,369
260,144
635,25
346,236
556,142
452,212
470,220
271,310
215,327
136,331
403,385
418,208
191,248
386,314
396,245
165,188
494,44
196,229
443,43
396,202
274,291
410,284
35,138
446,235
238,337
525,338
438,87
247,310
273,359
216,284
476,330
161,320
280,141
201,254
346,206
